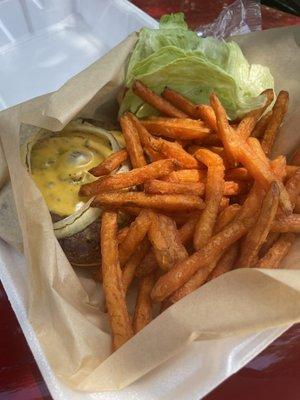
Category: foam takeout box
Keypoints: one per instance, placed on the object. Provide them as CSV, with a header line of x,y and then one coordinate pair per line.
x,y
195,344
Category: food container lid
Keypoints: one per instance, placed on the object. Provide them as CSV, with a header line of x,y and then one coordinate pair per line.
x,y
43,43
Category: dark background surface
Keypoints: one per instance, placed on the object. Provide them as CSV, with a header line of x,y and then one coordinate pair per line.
x,y
274,374
290,6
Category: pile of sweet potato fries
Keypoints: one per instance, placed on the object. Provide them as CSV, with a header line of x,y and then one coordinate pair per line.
x,y
204,198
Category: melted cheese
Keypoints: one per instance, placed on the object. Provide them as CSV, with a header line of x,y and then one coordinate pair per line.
x,y
60,164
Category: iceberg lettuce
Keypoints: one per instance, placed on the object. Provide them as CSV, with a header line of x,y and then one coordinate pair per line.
x,y
176,57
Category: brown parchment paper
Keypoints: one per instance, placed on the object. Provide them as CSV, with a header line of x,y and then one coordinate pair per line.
x,y
67,313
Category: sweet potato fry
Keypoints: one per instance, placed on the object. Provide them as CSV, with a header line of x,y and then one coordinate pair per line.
x,y
279,111
136,233
213,195
261,125
143,308
127,179
215,149
256,147
156,101
224,131
165,240
293,187
210,140
186,175
197,280
278,166
245,127
181,216
291,223
226,262
228,136
133,262
226,216
112,285
235,188
259,232
221,152
147,265
237,174
186,231
207,115
205,259
163,187
277,252
259,169
176,128
163,202
152,154
193,188
145,138
271,239
241,173
111,163
176,152
133,143
193,176
181,103
121,235
248,123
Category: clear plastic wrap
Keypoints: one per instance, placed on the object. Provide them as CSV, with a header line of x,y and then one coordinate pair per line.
x,y
240,17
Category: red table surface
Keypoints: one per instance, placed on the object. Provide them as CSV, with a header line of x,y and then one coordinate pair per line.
x,y
274,374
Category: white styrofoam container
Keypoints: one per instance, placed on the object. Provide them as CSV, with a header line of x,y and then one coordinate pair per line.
x,y
42,44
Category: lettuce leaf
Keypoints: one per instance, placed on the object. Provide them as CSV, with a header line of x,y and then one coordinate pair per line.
x,y
176,57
